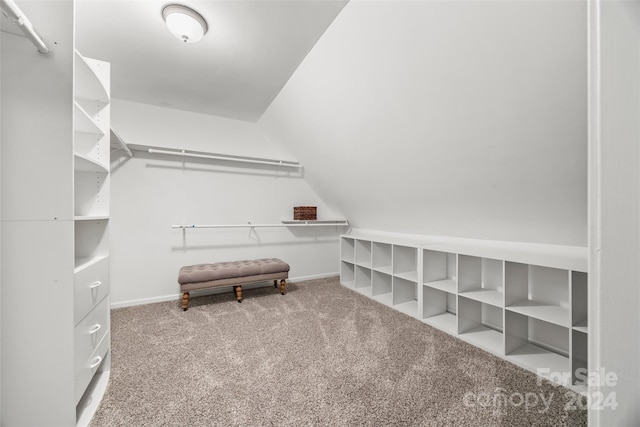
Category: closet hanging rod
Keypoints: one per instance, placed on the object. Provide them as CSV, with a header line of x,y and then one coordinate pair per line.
x,y
15,15
214,156
250,225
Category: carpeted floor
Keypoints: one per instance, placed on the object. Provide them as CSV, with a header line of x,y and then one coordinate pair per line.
x,y
321,355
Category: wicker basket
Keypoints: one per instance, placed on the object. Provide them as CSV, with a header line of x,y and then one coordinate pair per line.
x,y
306,213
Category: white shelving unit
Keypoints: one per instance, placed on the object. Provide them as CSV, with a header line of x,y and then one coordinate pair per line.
x,y
91,149
55,278
526,303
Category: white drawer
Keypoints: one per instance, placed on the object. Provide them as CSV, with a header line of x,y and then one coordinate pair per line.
x,y
91,286
89,332
87,369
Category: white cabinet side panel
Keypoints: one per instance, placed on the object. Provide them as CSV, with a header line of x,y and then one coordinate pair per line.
x,y
37,323
37,119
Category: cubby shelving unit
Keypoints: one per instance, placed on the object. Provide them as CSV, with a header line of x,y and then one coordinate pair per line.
x,y
526,303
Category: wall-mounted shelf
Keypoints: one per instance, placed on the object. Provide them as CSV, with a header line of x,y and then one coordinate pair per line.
x,y
337,222
284,223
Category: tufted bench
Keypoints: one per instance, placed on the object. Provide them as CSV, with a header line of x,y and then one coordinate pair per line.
x,y
235,273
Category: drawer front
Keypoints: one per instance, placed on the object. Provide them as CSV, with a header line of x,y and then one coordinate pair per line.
x,y
87,369
90,332
91,286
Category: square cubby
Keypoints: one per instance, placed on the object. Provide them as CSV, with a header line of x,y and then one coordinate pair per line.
x,y
363,253
347,274
538,345
382,257
363,280
538,292
347,249
579,359
405,262
439,309
381,287
579,301
439,270
481,324
405,296
481,279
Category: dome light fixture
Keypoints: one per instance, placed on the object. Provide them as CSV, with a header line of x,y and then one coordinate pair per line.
x,y
184,23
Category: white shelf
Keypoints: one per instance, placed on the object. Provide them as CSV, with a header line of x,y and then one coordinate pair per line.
x,y
86,164
90,217
545,312
336,222
83,263
385,269
445,321
386,299
363,264
581,327
443,285
411,276
486,338
533,357
409,308
487,296
83,121
87,84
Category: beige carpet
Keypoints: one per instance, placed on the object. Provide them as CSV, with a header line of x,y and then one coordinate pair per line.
x,y
321,355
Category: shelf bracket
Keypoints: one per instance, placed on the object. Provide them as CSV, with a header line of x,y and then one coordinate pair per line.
x,y
115,137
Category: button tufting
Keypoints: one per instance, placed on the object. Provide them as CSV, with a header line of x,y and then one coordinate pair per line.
x,y
231,269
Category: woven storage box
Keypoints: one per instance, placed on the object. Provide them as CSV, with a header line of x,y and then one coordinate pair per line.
x,y
305,213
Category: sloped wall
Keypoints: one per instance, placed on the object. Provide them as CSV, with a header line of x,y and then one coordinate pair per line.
x,y
150,193
464,118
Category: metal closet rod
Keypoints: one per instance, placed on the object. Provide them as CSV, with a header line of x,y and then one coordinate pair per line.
x,y
13,12
250,225
214,156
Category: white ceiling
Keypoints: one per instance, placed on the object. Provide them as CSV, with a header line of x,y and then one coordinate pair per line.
x,y
235,71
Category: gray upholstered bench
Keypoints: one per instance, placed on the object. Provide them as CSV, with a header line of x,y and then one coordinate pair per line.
x,y
236,274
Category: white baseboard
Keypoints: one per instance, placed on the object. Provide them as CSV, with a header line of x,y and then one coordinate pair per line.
x,y
178,296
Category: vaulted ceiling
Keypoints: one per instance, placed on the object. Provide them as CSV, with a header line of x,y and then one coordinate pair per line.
x,y
235,71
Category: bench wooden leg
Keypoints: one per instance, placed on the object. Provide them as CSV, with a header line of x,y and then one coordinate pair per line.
x,y
238,291
185,301
275,283
283,286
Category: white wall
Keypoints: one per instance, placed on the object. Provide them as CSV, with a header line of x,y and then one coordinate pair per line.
x,y
615,209
149,193
463,118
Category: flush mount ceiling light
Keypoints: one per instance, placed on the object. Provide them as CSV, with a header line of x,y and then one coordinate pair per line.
x,y
185,23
